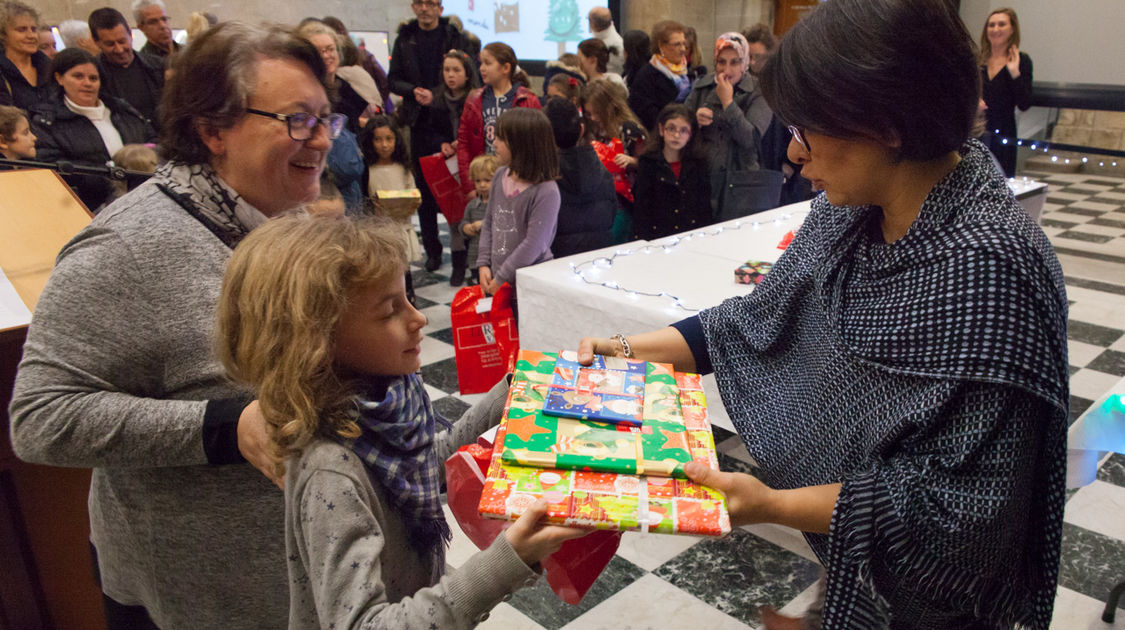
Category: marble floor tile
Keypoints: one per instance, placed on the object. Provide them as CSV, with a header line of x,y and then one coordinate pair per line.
x,y
434,350
1099,507
1092,564
800,604
437,318
1056,223
433,392
785,537
545,608
444,335
740,573
1092,333
1083,236
1077,406
650,603
422,303
1118,345
1075,611
450,407
1110,223
1080,354
439,291
441,375
649,551
1112,469
1094,205
505,617
472,399
1088,383
1110,362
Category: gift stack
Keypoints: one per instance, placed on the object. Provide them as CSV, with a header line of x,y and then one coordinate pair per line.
x,y
605,445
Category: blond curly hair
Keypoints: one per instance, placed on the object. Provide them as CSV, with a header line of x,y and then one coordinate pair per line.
x,y
285,288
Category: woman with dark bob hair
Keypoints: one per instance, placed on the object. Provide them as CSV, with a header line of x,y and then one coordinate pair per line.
x,y
900,376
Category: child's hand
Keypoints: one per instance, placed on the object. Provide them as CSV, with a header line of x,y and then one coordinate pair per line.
x,y
533,540
447,150
624,160
485,278
468,230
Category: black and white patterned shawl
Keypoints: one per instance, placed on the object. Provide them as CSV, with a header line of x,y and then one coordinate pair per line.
x,y
929,376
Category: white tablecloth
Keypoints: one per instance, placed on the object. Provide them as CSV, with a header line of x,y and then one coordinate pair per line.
x,y
645,285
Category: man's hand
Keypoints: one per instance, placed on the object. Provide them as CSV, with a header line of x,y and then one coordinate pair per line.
x,y
254,444
423,96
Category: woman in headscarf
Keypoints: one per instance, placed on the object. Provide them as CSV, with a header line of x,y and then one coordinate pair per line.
x,y
665,78
732,117
900,376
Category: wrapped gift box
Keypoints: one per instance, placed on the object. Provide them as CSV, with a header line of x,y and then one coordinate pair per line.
x,y
753,272
398,204
599,499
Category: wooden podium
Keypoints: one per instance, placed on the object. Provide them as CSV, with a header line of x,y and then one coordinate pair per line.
x,y
46,579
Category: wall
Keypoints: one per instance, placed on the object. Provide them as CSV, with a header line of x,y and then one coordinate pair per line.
x,y
1069,42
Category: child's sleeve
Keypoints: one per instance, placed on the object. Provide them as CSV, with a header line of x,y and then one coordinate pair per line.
x,y
340,543
542,222
484,247
464,148
482,416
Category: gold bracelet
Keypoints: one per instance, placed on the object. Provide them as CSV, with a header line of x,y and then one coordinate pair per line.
x,y
626,349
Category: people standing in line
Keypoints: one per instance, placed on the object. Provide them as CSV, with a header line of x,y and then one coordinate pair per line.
x,y
133,77
672,192
416,71
618,138
587,200
17,142
368,62
25,75
80,126
388,168
118,372
482,169
775,142
76,34
435,131
1005,75
505,88
523,206
733,116
152,20
313,315
601,28
593,56
637,53
665,78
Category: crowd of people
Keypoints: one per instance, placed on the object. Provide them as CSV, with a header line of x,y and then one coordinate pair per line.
x,y
900,376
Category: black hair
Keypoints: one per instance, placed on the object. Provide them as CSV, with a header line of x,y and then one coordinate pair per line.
x,y
68,58
693,150
106,19
637,52
401,154
890,71
566,122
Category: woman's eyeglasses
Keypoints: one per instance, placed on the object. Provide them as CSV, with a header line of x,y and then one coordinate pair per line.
x,y
301,125
799,136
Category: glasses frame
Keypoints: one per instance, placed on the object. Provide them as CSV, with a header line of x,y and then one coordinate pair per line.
x,y
332,123
799,136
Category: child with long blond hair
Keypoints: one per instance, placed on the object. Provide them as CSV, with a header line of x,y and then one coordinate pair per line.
x,y
313,315
618,138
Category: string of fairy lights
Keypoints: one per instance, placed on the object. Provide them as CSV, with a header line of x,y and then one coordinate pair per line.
x,y
1105,158
586,270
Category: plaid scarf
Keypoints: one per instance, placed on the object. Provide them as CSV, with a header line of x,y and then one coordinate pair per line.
x,y
397,447
198,189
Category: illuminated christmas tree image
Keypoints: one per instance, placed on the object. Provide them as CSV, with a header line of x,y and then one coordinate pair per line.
x,y
563,21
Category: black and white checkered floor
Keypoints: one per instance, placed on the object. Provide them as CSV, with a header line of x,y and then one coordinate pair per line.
x,y
658,581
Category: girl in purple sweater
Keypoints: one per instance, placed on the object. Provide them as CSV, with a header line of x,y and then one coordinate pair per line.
x,y
523,206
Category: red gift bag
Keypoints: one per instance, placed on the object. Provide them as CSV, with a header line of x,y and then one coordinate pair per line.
x,y
606,152
485,340
571,570
445,187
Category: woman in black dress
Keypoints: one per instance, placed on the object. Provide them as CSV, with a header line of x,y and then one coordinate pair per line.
x,y
1005,75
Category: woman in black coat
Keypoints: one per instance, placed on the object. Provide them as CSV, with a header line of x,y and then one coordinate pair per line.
x,y
76,125
664,79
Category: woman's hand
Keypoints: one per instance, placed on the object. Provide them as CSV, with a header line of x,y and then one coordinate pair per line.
x,y
532,540
448,150
589,346
704,116
423,96
748,499
724,89
254,443
1014,61
624,160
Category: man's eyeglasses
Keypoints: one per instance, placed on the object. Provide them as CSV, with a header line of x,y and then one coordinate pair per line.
x,y
800,138
301,125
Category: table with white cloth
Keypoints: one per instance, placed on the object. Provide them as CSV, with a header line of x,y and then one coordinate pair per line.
x,y
645,285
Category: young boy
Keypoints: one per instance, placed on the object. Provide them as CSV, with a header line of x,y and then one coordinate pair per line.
x,y
481,170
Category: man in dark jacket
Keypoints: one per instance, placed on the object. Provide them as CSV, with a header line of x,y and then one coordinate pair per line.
x,y
126,74
588,201
416,61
